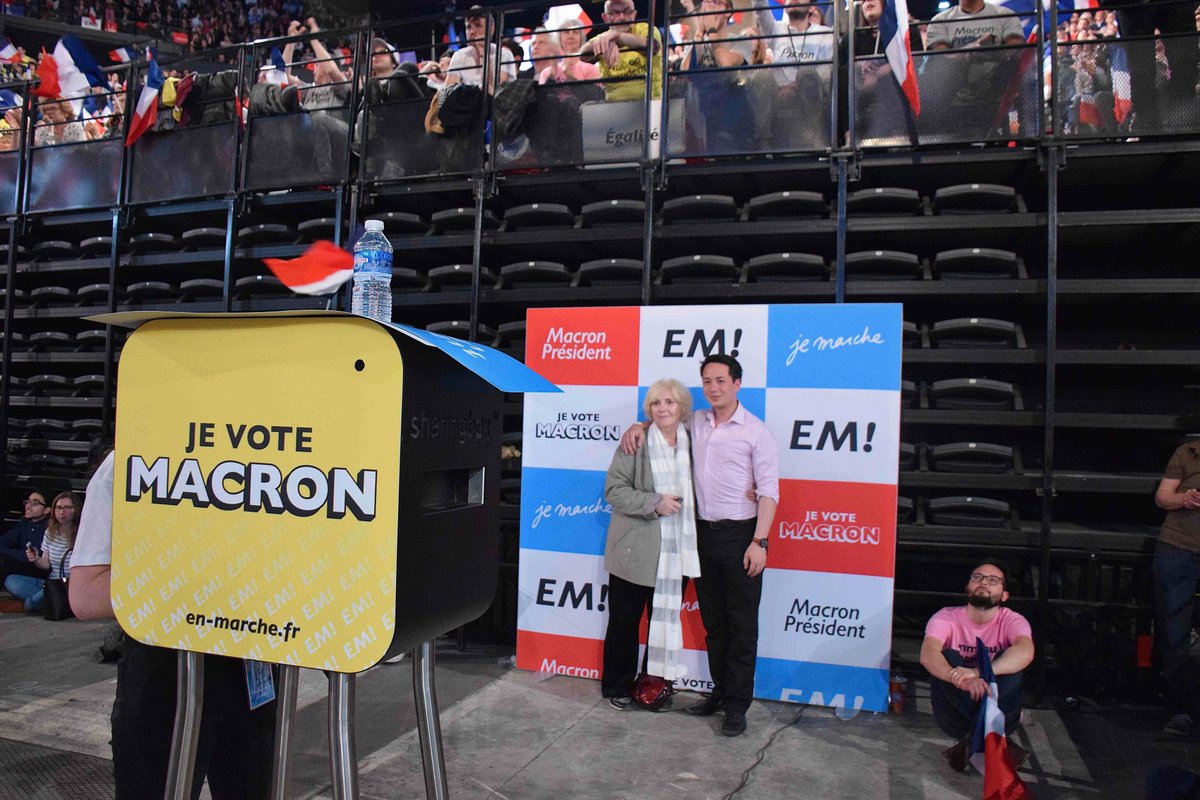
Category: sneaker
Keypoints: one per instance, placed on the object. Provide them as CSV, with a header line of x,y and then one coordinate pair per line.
x,y
620,703
734,724
956,755
1180,725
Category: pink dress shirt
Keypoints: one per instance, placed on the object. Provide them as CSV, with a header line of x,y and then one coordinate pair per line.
x,y
729,459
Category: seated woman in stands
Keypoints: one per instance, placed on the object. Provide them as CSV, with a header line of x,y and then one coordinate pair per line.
x,y
50,554
58,124
651,545
570,67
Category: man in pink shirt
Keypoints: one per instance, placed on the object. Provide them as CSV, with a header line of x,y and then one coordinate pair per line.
x,y
949,654
732,453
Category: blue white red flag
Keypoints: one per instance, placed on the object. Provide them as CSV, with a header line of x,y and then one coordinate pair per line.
x,y
122,55
146,110
989,745
276,71
893,32
77,71
1122,89
9,99
8,52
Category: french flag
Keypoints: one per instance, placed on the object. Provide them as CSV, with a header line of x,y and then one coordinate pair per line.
x,y
9,99
893,31
276,73
122,55
8,52
146,110
321,269
77,71
989,745
1122,94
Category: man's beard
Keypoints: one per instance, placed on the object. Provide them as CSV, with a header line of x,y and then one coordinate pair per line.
x,y
983,601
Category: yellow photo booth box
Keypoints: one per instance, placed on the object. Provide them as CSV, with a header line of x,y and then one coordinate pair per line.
x,y
314,489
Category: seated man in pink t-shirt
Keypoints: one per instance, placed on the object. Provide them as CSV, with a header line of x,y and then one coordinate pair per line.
x,y
948,653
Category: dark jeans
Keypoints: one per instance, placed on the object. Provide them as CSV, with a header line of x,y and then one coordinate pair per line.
x,y
626,602
729,608
1176,577
235,744
954,711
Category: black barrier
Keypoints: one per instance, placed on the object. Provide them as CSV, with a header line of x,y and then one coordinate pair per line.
x,y
183,163
987,94
304,148
71,176
1128,87
399,146
750,110
10,167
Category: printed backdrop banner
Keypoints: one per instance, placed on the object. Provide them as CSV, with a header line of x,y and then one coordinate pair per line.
x,y
826,380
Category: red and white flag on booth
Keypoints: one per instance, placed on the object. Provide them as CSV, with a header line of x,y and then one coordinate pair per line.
x,y
321,269
893,32
146,110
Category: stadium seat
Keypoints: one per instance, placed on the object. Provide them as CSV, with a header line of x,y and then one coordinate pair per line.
x,y
259,286
786,205
912,334
699,208
461,219
975,332
971,457
904,509
90,339
535,274
52,249
700,269
538,215
93,294
51,296
50,340
786,268
206,238
266,233
976,512
310,230
150,291
884,201
86,426
156,243
201,288
48,383
458,276
613,213
510,338
908,393
972,394
908,456
96,246
881,265
611,272
969,263
409,280
396,222
975,198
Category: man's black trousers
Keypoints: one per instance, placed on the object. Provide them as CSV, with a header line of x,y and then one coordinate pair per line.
x,y
729,608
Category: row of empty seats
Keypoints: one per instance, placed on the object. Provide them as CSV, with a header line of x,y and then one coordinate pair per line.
x,y
966,333
194,289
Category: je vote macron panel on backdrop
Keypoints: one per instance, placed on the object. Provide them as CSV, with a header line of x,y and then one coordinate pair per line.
x,y
826,380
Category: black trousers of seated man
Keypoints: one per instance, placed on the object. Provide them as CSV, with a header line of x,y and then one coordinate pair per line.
x,y
235,746
728,599
954,711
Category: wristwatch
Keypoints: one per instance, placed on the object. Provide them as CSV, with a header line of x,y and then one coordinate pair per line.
x,y
761,542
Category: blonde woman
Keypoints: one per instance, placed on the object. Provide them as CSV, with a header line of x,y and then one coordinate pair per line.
x,y
651,544
49,554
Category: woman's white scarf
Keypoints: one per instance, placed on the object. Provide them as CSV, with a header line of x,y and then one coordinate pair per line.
x,y
677,556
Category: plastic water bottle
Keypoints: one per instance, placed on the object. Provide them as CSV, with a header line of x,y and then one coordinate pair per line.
x,y
372,292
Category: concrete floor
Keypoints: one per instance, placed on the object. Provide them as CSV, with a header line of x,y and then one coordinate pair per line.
x,y
513,735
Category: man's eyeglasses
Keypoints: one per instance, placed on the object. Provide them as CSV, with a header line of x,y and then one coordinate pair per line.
x,y
990,580
32,502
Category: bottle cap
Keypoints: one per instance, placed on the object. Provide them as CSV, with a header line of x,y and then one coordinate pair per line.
x,y
373,225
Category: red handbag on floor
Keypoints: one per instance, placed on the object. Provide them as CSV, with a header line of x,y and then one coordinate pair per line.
x,y
652,692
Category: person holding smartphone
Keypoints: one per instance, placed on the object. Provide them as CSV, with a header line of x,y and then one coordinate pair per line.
x,y
651,544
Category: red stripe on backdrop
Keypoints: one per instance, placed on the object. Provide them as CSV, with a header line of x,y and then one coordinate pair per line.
x,y
564,655
590,347
831,526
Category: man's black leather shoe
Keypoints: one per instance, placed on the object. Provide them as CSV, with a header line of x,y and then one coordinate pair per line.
x,y
734,724
706,707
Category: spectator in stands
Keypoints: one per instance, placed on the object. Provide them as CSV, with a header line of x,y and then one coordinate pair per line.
x,y
950,654
15,541
330,87
10,130
434,72
466,65
1176,582
58,124
1093,90
544,55
967,87
725,122
800,39
621,53
49,555
1176,108
570,43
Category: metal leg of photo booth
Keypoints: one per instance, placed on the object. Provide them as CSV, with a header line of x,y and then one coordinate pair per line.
x,y
285,715
189,706
429,726
343,760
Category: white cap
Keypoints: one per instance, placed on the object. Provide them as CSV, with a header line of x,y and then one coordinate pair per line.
x,y
374,225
